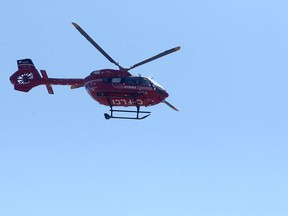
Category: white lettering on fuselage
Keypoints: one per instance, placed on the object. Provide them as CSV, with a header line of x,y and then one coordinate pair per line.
x,y
126,102
130,87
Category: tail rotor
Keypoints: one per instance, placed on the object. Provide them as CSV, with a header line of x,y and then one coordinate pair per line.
x,y
25,78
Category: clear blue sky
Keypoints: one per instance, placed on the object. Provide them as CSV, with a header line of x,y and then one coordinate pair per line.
x,y
225,153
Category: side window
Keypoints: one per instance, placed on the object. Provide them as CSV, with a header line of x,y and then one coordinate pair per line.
x,y
116,80
132,81
112,80
107,80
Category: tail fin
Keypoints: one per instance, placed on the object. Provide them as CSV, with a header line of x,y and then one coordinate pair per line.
x,y
26,77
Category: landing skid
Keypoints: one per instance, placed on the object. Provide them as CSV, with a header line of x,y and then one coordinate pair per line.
x,y
112,111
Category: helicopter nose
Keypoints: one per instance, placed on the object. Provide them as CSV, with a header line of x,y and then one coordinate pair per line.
x,y
162,93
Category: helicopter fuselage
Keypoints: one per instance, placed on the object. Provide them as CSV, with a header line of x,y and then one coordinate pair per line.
x,y
119,88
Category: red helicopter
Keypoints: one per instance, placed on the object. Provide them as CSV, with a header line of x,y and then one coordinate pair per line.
x,y
110,87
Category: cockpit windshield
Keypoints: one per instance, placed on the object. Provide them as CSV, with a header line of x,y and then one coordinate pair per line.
x,y
156,84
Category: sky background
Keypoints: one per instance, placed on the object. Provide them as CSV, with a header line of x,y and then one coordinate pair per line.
x,y
224,153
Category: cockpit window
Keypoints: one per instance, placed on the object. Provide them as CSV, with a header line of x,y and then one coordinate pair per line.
x,y
154,83
145,82
137,80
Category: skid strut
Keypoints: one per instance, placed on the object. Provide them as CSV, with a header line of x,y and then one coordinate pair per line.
x,y
112,111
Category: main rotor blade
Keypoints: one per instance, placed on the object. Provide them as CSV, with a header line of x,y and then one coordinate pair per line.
x,y
95,44
170,105
156,57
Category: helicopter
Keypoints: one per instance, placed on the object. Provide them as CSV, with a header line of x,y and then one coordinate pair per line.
x,y
109,87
